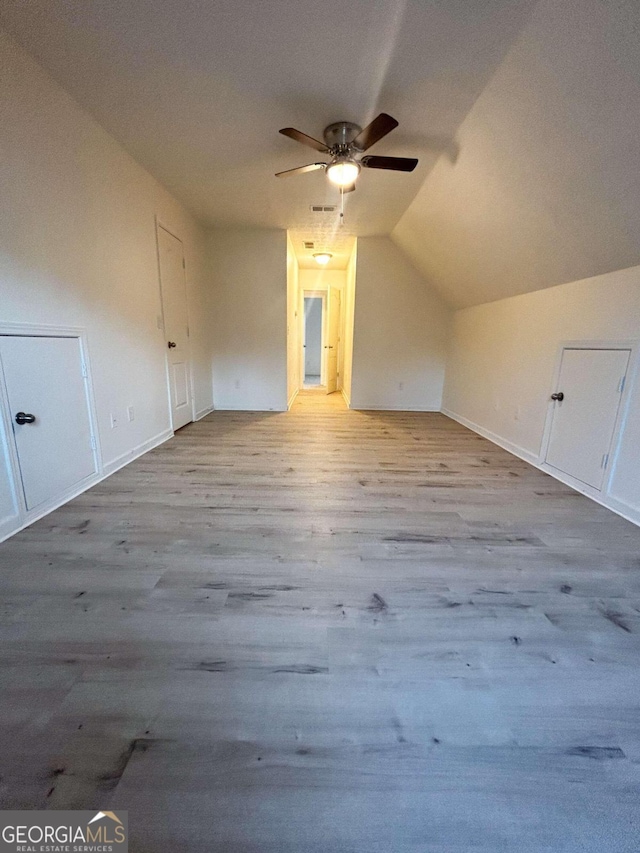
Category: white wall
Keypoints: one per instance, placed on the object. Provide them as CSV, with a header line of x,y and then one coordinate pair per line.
x,y
78,248
545,186
400,334
248,274
322,279
503,355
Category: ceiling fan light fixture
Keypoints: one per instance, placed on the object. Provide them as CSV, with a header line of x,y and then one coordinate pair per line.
x,y
342,171
322,258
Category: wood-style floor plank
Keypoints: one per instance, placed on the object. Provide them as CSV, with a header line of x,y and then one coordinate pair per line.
x,y
328,630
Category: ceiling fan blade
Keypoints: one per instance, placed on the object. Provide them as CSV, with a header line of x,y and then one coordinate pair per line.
x,y
395,164
374,132
298,136
300,170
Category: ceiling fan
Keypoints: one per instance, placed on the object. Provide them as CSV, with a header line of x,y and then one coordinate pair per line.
x,y
345,141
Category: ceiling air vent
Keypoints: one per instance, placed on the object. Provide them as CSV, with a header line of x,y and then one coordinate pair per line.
x,y
323,208
308,244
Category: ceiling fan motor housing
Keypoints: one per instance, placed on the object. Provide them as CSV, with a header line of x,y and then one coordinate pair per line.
x,y
339,135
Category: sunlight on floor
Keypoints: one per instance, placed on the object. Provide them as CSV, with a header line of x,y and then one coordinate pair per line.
x,y
317,400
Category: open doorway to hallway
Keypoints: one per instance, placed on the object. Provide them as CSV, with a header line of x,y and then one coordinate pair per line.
x,y
313,320
320,315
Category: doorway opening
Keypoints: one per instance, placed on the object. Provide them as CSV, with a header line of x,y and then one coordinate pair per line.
x,y
314,316
320,315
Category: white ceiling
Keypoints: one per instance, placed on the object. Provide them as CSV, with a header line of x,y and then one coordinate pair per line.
x,y
196,91
523,114
546,189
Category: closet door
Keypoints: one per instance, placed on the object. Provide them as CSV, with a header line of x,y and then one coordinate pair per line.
x,y
47,395
586,405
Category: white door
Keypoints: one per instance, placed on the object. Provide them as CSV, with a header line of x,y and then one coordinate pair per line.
x,y
333,336
586,404
47,395
176,326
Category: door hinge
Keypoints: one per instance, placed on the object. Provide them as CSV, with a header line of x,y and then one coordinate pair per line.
x,y
605,460
93,443
83,368
184,266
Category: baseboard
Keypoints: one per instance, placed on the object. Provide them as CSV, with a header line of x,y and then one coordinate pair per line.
x,y
346,398
120,461
521,452
364,408
203,413
292,400
8,526
627,511
272,411
107,470
36,514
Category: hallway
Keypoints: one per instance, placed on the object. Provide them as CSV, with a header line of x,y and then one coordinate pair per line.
x,y
310,401
327,630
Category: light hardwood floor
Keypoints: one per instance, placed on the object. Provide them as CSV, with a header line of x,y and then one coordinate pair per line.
x,y
328,630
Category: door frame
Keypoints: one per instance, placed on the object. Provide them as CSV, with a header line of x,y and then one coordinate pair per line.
x,y
632,346
339,359
159,223
314,294
25,516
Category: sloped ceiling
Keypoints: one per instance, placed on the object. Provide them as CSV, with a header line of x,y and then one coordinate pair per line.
x,y
196,90
525,118
546,187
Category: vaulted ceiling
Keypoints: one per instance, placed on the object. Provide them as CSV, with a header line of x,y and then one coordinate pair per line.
x,y
523,117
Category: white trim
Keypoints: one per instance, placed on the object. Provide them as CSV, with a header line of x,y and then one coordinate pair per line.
x,y
627,511
361,407
346,398
272,409
107,470
623,407
23,516
527,455
203,413
160,224
315,294
124,459
292,400
42,330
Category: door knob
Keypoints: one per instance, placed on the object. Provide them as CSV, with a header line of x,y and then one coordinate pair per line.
x,y
24,418
559,396
172,344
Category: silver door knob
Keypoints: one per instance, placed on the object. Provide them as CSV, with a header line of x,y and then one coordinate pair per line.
x,y
172,344
559,396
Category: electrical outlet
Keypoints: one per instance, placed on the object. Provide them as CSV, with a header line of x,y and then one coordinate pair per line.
x,y
114,421
130,414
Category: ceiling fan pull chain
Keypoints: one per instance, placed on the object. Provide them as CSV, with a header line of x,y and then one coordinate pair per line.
x,y
342,207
